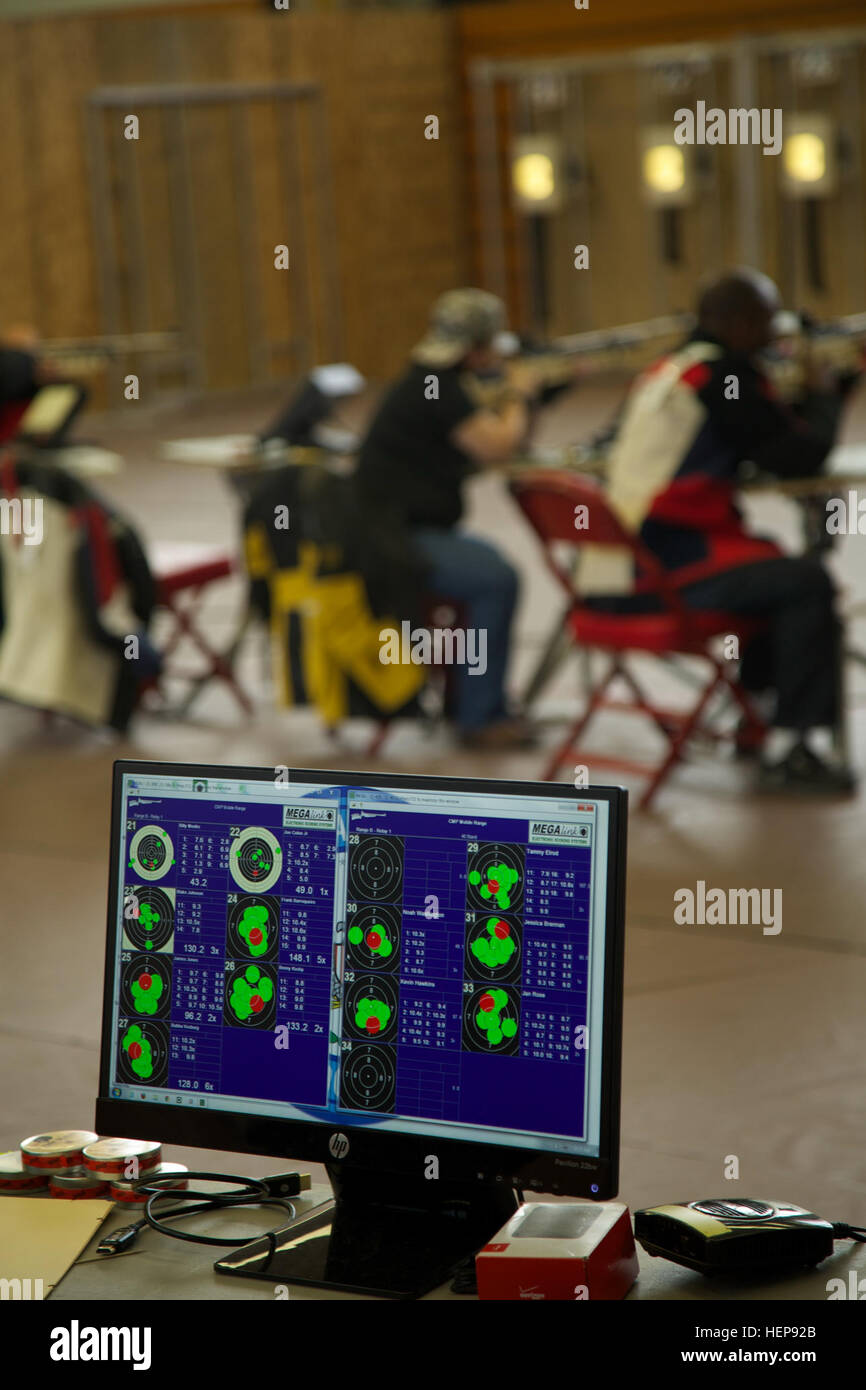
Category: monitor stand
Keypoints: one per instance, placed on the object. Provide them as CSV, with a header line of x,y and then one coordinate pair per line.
x,y
392,1236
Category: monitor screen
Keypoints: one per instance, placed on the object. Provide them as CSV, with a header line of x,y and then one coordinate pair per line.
x,y
415,956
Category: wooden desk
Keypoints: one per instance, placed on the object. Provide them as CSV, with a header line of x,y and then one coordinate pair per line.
x,y
159,1269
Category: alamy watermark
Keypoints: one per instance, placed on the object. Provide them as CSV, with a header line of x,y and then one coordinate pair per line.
x,y
22,516
713,907
77,1343
739,125
439,646
22,1289
846,517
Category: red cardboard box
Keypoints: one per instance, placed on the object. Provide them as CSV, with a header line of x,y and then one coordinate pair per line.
x,y
562,1251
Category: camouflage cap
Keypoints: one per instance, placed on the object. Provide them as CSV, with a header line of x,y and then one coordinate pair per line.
x,y
460,320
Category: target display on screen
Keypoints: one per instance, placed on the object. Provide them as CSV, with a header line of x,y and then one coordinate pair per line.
x,y
148,917
373,937
253,927
151,852
493,947
250,997
494,877
142,1052
368,1078
255,859
491,1020
370,1007
145,987
380,959
376,868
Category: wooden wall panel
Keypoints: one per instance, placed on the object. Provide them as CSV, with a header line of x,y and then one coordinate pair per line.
x,y
406,216
56,71
628,278
204,52
321,55
399,200
17,252
535,28
250,44
398,229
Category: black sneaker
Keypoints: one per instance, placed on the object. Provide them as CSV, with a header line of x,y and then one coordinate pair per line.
x,y
802,771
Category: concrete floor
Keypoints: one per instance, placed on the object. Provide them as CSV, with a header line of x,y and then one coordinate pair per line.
x,y
736,1043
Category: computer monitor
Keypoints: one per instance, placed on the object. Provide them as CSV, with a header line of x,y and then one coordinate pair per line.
x,y
416,981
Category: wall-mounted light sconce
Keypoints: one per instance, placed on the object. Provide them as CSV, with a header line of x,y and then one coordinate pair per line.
x,y
667,173
536,173
809,174
808,165
668,184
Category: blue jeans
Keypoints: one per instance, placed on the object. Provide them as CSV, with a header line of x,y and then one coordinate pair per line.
x,y
473,573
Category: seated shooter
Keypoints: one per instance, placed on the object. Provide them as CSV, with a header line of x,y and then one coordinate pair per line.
x,y
688,425
426,438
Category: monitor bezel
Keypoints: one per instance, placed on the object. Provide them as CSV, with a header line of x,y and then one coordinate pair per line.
x,y
376,1150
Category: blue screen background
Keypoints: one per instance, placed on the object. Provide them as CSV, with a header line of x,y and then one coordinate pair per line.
x,y
430,1062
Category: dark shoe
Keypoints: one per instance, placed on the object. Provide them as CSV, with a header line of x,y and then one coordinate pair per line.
x,y
802,771
505,734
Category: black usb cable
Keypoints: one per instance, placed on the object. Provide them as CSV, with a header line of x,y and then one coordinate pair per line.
x,y
266,1192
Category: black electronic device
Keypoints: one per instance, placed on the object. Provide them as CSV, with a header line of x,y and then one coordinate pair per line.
x,y
733,1235
416,981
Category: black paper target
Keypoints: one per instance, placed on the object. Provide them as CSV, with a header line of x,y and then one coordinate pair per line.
x,y
493,947
145,987
373,937
494,877
491,1020
376,869
255,859
142,1052
148,916
370,1008
151,852
253,928
368,1078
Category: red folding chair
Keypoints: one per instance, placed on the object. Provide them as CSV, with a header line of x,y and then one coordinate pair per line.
x,y
192,580
549,501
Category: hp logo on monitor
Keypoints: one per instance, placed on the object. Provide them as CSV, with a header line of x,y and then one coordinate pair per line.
x,y
338,1145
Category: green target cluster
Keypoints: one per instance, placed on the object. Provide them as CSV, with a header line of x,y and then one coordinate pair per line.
x,y
250,999
493,947
490,1019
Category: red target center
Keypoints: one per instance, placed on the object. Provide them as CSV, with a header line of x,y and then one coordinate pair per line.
x,y
145,981
255,936
372,1025
135,1051
502,930
493,885
486,1003
373,940
257,1003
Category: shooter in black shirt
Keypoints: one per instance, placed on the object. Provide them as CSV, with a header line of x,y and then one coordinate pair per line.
x,y
428,435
